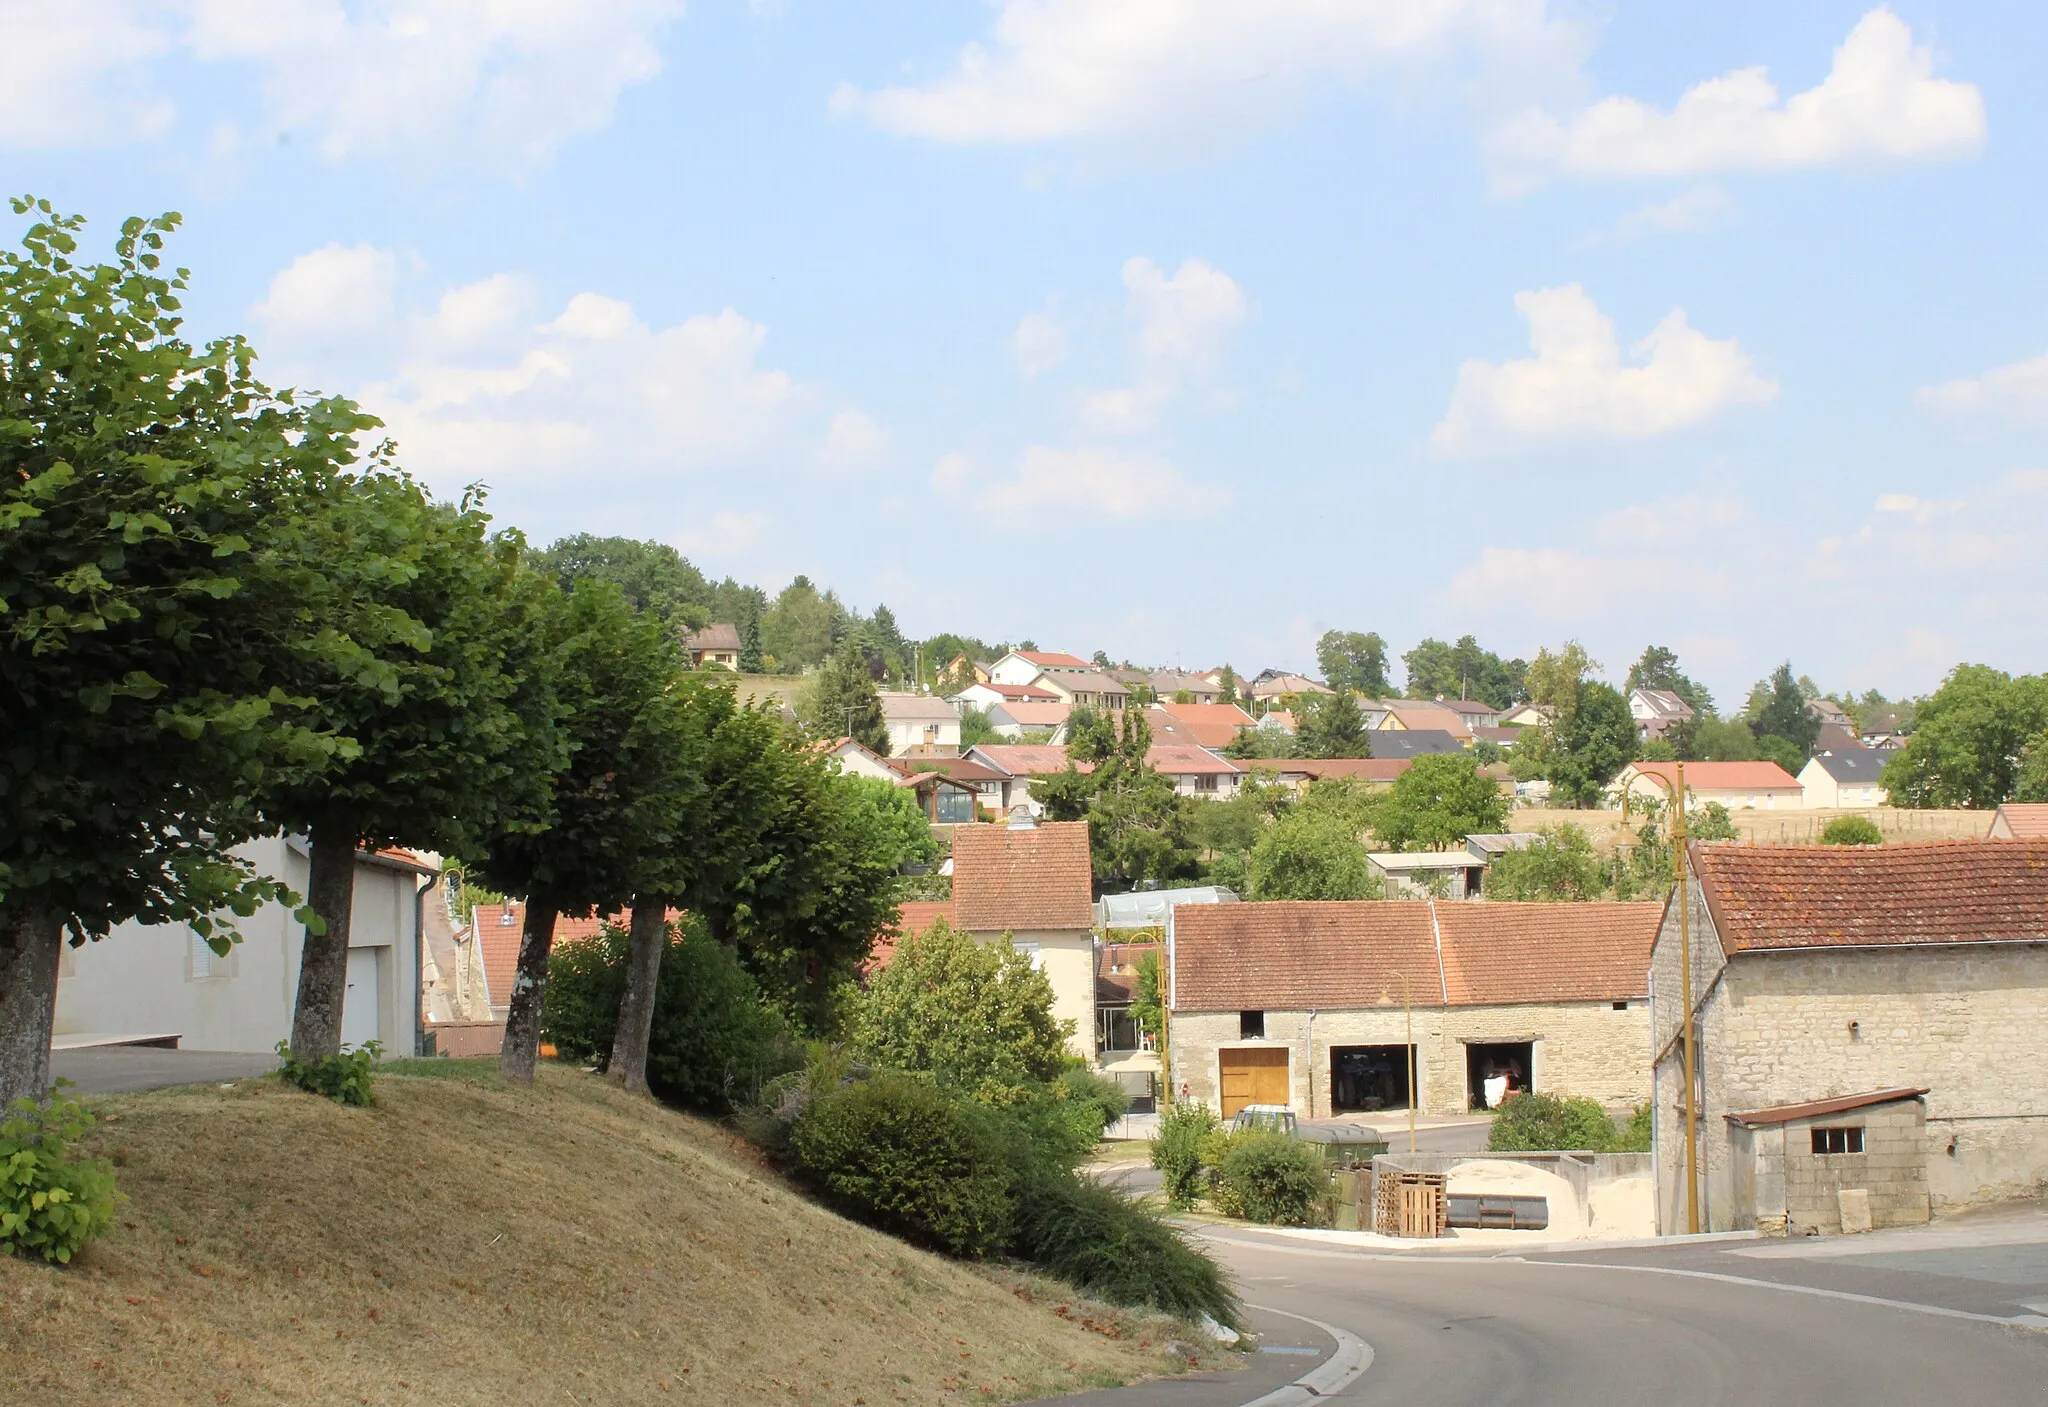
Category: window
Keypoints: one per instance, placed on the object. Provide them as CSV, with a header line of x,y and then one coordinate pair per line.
x,y
1117,1030
1251,1025
956,808
1621,1006
1848,1140
1030,950
205,964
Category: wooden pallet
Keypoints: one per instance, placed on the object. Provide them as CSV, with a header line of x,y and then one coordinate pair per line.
x,y
1411,1204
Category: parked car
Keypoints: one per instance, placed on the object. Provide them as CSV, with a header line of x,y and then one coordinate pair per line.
x,y
1344,1145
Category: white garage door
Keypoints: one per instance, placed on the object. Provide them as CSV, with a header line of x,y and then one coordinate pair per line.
x,y
360,1009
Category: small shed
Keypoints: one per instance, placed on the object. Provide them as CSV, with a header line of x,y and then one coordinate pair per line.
x,y
1832,1165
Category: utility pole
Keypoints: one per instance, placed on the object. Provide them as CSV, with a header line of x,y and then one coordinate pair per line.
x,y
1692,1181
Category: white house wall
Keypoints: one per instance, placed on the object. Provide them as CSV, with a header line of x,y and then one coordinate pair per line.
x,y
156,979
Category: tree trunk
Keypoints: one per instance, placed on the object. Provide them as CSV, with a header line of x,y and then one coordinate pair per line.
x,y
529,985
323,960
628,1065
31,941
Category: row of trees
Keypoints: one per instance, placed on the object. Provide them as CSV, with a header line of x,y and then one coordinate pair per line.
x,y
222,620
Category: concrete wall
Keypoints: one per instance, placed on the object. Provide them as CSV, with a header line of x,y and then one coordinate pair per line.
x,y
1584,1048
1067,958
1892,1167
1776,1028
155,979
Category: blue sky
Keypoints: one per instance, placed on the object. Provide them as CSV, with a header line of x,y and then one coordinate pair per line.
x,y
1183,329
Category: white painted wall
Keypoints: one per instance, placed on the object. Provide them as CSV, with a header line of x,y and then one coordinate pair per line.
x,y
162,980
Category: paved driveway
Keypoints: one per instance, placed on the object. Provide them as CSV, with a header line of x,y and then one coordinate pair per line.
x,y
122,1069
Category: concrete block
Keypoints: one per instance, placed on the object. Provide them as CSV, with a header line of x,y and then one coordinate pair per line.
x,y
1855,1208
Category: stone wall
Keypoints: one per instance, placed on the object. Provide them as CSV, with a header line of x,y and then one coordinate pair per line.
x,y
1892,1167
1783,1028
1585,1048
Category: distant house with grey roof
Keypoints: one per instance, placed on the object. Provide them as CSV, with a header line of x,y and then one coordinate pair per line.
x,y
1845,776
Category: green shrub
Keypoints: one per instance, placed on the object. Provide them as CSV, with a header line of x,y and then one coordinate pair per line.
x,y
1634,1136
714,1043
897,1152
1096,1239
1711,822
51,1203
1177,1151
1272,1178
1552,1123
344,1078
1851,830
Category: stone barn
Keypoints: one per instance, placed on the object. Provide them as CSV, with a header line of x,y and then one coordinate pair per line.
x,y
1883,1003
1315,1005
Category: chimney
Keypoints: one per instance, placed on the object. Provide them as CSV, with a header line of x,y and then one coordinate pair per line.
x,y
1021,819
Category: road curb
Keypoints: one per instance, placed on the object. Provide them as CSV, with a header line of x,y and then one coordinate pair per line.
x,y
1328,1378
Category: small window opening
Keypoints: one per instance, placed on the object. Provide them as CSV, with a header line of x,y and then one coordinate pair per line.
x,y
1843,1140
1251,1025
1621,1006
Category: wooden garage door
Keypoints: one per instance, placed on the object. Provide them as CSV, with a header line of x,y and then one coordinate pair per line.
x,y
1256,1076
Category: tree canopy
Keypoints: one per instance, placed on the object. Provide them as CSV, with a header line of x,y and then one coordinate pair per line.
x,y
1464,671
1784,715
1330,725
841,701
1970,739
1657,668
1437,802
1351,660
1558,866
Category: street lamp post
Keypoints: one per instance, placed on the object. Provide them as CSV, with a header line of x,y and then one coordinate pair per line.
x,y
1678,837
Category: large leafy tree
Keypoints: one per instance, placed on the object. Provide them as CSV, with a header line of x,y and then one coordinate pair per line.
x,y
611,667
1138,829
1559,865
841,701
652,576
1464,671
1969,739
976,1015
1587,749
452,717
1784,715
1352,659
1309,855
1437,802
803,626
1330,725
148,490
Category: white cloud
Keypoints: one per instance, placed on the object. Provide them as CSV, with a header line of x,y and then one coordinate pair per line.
x,y
1040,344
1060,488
1065,69
508,79
1880,102
490,385
74,73
1577,386
1691,210
2016,392
335,292
1931,581
855,440
723,534
1181,322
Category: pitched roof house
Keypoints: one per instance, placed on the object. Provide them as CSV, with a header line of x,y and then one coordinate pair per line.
x,y
1306,1004
1656,710
919,721
1085,688
1736,785
1412,715
1024,666
1838,973
714,647
1273,686
1849,776
1209,724
2018,820
1035,883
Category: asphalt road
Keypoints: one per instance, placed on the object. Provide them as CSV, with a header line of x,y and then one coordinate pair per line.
x,y
120,1069
1907,1319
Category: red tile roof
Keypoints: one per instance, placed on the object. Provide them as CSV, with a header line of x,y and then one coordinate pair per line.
x,y
1294,956
1051,659
1034,714
1721,776
1423,717
1826,896
1821,1108
498,941
1016,878
1209,724
911,919
2025,821
1022,693
1499,953
960,769
1188,761
1024,759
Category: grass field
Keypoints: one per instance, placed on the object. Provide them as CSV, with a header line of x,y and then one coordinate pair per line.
x,y
465,1242
1779,827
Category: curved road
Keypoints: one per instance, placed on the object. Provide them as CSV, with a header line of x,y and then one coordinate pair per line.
x,y
1482,1331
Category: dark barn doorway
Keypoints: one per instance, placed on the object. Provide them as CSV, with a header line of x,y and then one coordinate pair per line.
x,y
1510,1064
1366,1078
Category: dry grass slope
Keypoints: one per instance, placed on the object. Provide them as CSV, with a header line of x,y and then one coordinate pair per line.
x,y
467,1243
